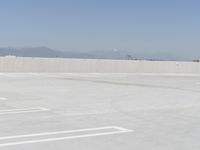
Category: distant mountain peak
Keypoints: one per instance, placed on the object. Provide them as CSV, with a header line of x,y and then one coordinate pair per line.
x,y
41,51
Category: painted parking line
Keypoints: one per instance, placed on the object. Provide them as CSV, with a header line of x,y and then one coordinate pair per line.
x,y
25,110
14,75
3,98
60,135
9,75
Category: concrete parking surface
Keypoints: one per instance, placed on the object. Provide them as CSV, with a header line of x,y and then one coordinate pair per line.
x,y
93,111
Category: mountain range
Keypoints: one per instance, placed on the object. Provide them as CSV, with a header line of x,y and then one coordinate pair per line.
x,y
103,54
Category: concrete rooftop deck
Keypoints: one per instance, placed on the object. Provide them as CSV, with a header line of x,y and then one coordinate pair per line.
x,y
90,111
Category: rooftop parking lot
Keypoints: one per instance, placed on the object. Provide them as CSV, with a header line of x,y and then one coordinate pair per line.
x,y
95,111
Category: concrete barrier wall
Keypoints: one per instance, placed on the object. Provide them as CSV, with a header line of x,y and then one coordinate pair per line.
x,y
25,64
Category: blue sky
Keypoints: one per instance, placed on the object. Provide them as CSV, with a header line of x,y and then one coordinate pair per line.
x,y
146,26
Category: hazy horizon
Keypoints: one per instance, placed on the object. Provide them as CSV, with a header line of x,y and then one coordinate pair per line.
x,y
146,27
43,51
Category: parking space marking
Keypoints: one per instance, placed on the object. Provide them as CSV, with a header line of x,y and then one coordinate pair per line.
x,y
3,98
60,135
24,110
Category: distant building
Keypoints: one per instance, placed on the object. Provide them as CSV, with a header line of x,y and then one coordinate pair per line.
x,y
10,56
196,60
129,57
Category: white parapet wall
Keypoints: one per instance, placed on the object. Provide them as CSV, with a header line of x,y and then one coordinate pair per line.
x,y
27,64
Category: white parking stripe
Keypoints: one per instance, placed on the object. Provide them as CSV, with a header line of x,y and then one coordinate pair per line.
x,y
25,110
3,99
68,131
109,130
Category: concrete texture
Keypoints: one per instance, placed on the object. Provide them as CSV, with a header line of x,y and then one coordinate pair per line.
x,y
20,64
161,111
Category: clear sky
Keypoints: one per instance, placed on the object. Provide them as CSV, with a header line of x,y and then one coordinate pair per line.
x,y
171,26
